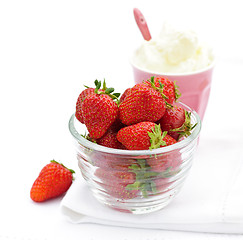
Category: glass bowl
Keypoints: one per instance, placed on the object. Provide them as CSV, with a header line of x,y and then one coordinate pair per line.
x,y
139,181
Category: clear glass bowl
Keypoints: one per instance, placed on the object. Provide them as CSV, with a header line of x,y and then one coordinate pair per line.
x,y
140,181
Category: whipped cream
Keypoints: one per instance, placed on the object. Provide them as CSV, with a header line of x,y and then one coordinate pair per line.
x,y
173,51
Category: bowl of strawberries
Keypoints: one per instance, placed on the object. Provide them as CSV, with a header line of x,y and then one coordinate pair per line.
x,y
134,150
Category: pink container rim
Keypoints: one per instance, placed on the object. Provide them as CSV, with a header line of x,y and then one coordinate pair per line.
x,y
209,67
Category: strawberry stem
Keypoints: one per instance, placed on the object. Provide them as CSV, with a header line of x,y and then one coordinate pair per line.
x,y
160,90
186,127
177,92
106,90
145,178
156,137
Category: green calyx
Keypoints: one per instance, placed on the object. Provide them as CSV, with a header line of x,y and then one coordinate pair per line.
x,y
145,178
186,128
156,137
143,181
177,92
160,90
86,136
54,161
106,90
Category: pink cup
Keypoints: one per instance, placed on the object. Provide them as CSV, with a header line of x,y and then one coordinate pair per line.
x,y
194,86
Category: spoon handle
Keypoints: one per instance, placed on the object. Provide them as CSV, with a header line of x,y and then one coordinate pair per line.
x,y
142,24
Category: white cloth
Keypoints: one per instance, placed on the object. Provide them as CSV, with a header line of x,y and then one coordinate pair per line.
x,y
210,201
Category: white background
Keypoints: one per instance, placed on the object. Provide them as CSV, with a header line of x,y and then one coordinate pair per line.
x,y
49,49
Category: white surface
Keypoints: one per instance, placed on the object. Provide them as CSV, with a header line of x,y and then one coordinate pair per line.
x,y
48,50
209,202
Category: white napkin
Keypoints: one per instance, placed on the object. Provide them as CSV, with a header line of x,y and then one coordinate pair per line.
x,y
210,201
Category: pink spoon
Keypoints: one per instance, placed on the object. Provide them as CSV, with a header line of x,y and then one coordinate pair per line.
x,y
142,24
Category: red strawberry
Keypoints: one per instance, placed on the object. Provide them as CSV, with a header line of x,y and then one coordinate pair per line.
x,y
83,94
162,162
126,179
166,163
117,125
99,113
169,140
135,137
159,163
161,184
177,121
123,164
168,88
157,185
115,183
110,161
100,110
142,136
125,94
142,104
109,140
53,180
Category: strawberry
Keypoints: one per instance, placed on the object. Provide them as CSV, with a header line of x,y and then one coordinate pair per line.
x,y
109,136
166,163
53,180
143,103
142,136
126,179
117,125
115,183
160,185
124,95
135,137
177,121
100,110
110,161
147,181
109,140
157,185
167,88
82,95
168,140
123,164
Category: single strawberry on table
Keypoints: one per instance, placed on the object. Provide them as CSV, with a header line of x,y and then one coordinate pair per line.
x,y
53,180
